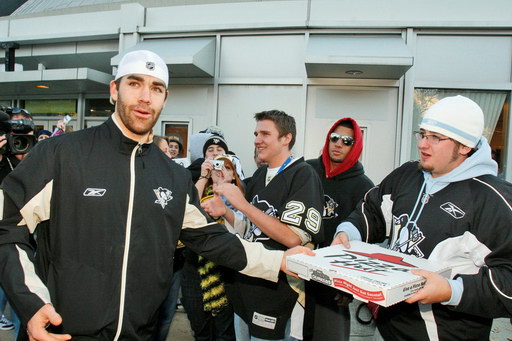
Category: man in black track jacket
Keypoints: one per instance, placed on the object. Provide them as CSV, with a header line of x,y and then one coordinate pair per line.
x,y
449,207
113,207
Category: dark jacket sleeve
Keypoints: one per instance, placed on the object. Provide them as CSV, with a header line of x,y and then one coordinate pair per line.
x,y
304,205
26,194
488,293
213,241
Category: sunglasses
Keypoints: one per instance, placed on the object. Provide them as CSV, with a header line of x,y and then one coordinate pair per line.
x,y
347,140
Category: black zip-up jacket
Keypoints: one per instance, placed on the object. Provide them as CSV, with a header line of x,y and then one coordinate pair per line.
x,y
466,226
112,211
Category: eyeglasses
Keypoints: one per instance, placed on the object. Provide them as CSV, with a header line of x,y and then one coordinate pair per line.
x,y
431,139
347,140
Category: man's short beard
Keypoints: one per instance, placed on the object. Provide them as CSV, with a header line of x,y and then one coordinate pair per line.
x,y
335,160
455,157
122,110
425,168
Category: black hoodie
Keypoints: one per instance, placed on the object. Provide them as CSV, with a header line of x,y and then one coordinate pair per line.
x,y
341,193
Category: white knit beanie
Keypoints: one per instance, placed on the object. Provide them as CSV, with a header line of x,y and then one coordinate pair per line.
x,y
457,117
143,62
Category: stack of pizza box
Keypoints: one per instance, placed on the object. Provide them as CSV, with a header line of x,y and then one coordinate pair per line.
x,y
367,271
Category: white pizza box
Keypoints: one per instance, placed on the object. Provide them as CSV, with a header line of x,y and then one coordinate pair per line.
x,y
367,271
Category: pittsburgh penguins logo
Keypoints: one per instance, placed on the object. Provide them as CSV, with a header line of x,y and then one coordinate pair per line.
x,y
216,141
254,233
407,236
330,208
150,66
163,196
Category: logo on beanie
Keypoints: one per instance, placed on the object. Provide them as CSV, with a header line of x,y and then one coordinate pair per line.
x,y
163,196
216,141
150,66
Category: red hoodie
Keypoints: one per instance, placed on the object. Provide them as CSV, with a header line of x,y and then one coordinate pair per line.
x,y
352,156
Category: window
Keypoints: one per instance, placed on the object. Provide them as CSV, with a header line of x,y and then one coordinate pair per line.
x,y
178,128
494,104
50,107
98,107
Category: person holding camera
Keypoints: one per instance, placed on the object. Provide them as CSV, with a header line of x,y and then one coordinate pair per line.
x,y
210,319
18,124
213,147
17,130
8,161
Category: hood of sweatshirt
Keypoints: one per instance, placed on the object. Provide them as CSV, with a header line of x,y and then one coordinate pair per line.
x,y
480,163
351,158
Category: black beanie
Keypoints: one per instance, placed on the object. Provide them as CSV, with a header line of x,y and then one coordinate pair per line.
x,y
216,140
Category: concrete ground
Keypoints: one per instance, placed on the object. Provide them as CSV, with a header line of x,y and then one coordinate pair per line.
x,y
180,330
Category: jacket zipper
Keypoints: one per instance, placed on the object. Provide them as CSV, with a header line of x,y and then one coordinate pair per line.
x,y
124,270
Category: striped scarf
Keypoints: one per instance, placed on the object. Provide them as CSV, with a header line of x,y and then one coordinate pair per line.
x,y
212,286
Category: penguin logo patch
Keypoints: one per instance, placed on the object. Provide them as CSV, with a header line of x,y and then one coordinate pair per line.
x,y
330,208
163,196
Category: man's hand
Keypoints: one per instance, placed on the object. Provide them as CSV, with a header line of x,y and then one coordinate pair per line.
x,y
36,327
215,207
232,194
341,238
436,289
293,251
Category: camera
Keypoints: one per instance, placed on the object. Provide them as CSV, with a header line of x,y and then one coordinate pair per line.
x,y
16,132
217,164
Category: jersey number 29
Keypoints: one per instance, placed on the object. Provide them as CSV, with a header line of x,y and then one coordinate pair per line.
x,y
293,212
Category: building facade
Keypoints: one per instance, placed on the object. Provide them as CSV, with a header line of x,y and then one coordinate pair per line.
x,y
381,63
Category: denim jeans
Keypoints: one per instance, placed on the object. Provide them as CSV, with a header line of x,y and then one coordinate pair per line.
x,y
14,318
168,308
242,331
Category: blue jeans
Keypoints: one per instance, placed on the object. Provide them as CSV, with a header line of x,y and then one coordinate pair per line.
x,y
242,331
168,308
14,318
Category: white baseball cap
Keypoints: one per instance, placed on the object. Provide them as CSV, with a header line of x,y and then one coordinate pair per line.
x,y
143,62
457,117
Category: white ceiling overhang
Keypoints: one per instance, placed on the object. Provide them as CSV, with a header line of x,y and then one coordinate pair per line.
x,y
185,57
58,81
329,56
